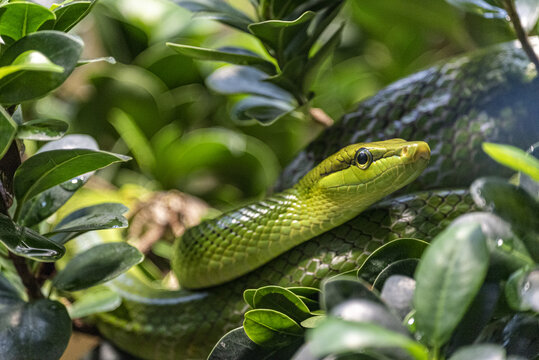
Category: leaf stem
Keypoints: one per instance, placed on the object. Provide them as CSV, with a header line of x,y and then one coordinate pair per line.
x,y
30,282
521,34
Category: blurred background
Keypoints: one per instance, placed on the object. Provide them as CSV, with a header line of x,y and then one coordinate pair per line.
x,y
154,105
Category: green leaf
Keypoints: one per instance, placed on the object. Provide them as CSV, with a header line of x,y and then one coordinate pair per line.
x,y
8,293
306,291
448,277
96,217
480,7
28,61
97,265
18,19
61,49
522,290
248,297
38,330
236,345
46,203
264,110
405,267
528,12
340,289
47,169
230,55
42,130
278,33
313,321
336,336
8,129
25,242
405,248
480,351
218,10
97,301
513,158
271,328
71,13
282,300
245,80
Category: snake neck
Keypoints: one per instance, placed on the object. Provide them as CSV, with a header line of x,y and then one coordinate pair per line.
x,y
250,236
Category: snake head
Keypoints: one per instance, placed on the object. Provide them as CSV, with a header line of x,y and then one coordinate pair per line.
x,y
373,169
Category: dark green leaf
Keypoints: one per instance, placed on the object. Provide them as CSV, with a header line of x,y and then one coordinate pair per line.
x,y
18,19
340,289
34,331
271,328
336,336
519,337
47,169
8,128
448,277
522,290
42,130
248,296
308,292
400,267
264,110
97,301
230,55
245,80
217,10
236,345
45,204
282,300
26,242
480,351
28,61
97,265
480,7
278,33
61,49
514,157
406,248
8,293
70,14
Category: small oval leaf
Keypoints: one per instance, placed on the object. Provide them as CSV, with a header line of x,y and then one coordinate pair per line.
x,y
282,300
271,328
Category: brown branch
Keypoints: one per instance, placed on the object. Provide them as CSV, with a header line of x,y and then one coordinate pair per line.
x,y
30,282
521,34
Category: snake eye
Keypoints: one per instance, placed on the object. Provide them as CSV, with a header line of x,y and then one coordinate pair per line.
x,y
363,158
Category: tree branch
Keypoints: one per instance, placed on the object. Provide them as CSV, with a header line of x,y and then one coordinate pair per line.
x,y
521,34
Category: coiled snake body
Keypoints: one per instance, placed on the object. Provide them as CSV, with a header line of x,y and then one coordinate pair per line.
x,y
487,96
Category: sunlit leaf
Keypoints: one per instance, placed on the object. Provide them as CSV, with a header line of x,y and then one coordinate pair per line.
x,y
29,61
18,19
514,158
271,328
42,130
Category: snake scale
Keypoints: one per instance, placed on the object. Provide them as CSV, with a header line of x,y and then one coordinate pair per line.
x,y
490,95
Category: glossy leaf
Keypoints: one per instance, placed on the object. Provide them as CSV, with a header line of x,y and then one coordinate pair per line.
x,y
522,290
47,169
282,300
405,248
270,328
400,267
95,301
248,297
448,277
230,55
398,292
97,265
96,217
38,330
340,289
336,336
519,336
28,61
278,33
480,351
46,203
18,19
245,80
217,10
42,130
236,345
8,129
71,13
25,242
61,49
264,110
514,157
480,7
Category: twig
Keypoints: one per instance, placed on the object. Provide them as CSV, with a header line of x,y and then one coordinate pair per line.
x,y
321,117
521,34
30,282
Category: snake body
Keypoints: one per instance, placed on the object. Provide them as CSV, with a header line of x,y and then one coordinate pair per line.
x,y
455,106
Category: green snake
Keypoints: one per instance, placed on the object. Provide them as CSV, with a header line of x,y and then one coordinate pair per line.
x,y
489,95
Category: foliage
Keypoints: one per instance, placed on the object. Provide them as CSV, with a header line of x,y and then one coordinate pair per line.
x,y
440,301
36,57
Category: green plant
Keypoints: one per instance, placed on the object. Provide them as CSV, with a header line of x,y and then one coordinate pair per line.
x,y
475,284
36,57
